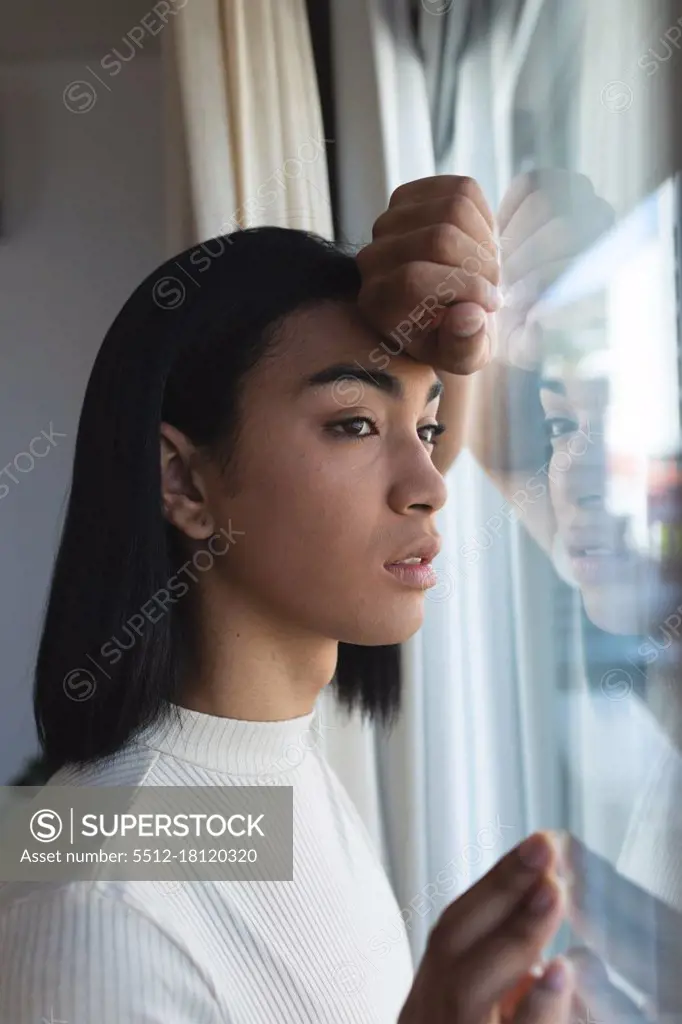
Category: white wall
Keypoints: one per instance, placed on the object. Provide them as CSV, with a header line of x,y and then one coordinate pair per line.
x,y
81,222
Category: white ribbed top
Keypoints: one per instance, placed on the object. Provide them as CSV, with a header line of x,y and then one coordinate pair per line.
x,y
329,947
233,746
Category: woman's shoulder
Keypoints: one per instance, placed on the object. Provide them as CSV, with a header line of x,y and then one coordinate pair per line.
x,y
130,767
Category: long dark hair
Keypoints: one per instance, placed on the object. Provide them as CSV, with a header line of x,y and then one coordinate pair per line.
x,y
177,352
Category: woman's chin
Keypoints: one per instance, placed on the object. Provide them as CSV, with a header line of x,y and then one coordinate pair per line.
x,y
617,610
636,606
393,629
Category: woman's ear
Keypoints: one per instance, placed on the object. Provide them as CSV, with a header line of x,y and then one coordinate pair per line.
x,y
183,487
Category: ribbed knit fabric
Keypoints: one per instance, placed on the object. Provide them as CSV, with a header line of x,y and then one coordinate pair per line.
x,y
329,947
651,854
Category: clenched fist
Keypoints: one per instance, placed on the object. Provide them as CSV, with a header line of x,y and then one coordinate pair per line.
x,y
430,275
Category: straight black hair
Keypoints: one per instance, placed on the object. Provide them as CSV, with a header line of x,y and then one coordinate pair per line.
x,y
178,352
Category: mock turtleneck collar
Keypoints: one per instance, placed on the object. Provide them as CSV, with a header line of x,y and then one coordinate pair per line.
x,y
234,746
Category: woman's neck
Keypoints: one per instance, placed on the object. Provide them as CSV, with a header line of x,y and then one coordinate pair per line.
x,y
253,668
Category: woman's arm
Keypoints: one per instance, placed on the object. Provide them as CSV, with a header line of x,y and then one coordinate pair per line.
x,y
497,414
453,410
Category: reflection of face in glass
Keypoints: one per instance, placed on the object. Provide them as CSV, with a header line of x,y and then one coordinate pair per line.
x,y
592,549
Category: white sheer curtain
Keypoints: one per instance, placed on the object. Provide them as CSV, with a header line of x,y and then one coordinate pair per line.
x,y
624,140
384,139
518,629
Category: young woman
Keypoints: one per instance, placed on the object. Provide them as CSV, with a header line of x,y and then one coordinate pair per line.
x,y
252,519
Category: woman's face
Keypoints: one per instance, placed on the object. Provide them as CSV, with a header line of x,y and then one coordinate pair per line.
x,y
333,480
593,549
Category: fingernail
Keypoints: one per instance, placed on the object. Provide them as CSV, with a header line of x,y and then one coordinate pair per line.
x,y
542,901
470,325
555,978
535,852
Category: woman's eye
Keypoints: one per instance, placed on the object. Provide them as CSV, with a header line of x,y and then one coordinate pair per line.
x,y
350,427
560,426
360,427
433,430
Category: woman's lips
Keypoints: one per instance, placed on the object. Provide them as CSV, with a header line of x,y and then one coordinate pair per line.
x,y
421,575
595,565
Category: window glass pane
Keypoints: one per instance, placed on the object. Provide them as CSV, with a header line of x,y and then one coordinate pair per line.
x,y
568,115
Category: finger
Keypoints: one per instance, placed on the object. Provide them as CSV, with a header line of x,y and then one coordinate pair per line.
x,y
591,977
524,293
520,340
535,211
590,970
456,209
486,905
565,190
463,320
458,340
441,185
572,198
549,1000
457,352
400,300
538,211
483,974
444,244
561,238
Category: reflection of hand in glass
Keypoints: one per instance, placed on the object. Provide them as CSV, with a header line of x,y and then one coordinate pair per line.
x,y
631,931
546,219
620,927
547,455
595,1000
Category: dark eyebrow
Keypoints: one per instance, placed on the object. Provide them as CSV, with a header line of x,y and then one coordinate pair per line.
x,y
385,382
550,384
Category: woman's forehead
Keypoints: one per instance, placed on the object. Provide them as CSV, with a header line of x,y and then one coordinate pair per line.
x,y
315,341
326,331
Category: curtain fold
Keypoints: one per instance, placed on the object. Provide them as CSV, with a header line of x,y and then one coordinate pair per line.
x,y
251,116
443,39
195,59
625,144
